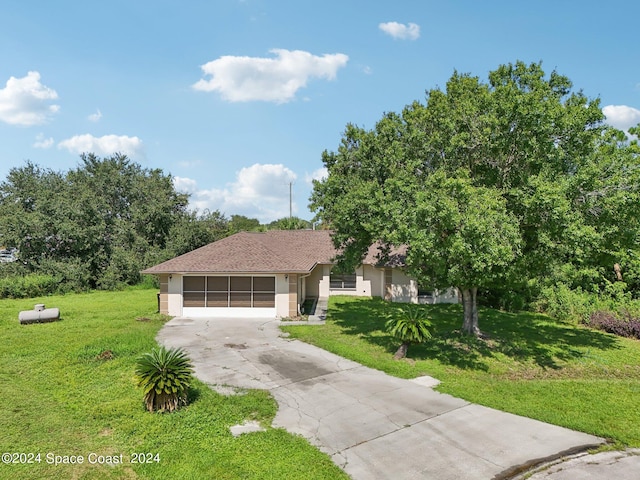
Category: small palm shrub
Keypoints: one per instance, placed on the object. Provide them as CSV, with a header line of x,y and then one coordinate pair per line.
x,y
165,376
410,325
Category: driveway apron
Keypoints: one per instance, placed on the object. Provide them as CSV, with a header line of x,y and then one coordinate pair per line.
x,y
373,425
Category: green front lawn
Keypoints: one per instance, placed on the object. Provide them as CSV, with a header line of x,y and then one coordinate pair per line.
x,y
531,365
68,389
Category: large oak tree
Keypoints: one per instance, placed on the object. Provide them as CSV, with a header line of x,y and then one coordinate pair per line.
x,y
490,185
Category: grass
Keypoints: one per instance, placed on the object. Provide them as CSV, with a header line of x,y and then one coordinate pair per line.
x,y
68,388
531,364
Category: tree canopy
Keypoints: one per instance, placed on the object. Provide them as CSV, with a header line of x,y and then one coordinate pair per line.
x,y
500,186
100,224
290,223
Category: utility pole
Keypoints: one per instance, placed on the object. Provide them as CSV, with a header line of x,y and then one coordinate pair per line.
x,y
290,201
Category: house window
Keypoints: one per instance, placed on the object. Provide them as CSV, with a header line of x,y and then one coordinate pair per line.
x,y
225,291
342,281
424,292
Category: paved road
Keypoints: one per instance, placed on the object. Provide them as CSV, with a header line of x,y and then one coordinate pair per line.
x,y
372,425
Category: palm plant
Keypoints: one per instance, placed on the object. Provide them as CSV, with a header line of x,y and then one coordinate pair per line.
x,y
411,325
165,376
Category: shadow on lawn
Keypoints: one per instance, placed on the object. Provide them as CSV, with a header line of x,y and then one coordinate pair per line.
x,y
524,337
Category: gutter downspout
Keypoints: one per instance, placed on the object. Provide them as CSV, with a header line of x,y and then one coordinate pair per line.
x,y
301,277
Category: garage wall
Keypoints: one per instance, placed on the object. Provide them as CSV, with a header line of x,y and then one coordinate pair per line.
x,y
282,296
163,299
293,295
174,296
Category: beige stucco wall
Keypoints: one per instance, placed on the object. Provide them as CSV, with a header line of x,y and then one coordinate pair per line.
x,y
174,297
449,295
404,289
323,286
163,298
369,282
293,295
282,295
312,282
375,277
363,283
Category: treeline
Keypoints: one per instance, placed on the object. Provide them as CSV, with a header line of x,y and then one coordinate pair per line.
x,y
98,225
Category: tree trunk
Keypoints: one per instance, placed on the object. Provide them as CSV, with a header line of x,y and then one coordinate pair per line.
x,y
402,351
616,268
470,309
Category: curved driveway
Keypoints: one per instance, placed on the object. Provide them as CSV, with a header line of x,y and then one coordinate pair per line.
x,y
373,425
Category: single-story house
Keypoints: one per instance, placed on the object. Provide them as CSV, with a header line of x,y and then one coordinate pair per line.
x,y
265,274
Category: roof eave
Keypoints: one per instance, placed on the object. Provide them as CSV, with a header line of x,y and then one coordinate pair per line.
x,y
210,272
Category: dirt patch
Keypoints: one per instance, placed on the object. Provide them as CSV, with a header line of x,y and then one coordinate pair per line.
x,y
106,355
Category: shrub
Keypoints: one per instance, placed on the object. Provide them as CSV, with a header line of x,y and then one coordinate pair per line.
x,y
27,286
74,275
577,305
149,281
563,303
165,376
410,326
627,326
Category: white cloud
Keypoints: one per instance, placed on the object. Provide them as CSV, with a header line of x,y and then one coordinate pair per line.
x,y
319,174
42,142
185,185
25,101
260,191
622,116
105,145
244,79
94,117
401,31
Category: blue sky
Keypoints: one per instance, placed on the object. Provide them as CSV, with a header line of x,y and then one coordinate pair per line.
x,y
237,98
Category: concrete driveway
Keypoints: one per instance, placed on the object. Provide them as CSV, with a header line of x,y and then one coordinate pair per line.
x,y
373,425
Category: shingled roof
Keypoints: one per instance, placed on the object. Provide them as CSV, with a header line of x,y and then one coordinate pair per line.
x,y
275,251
